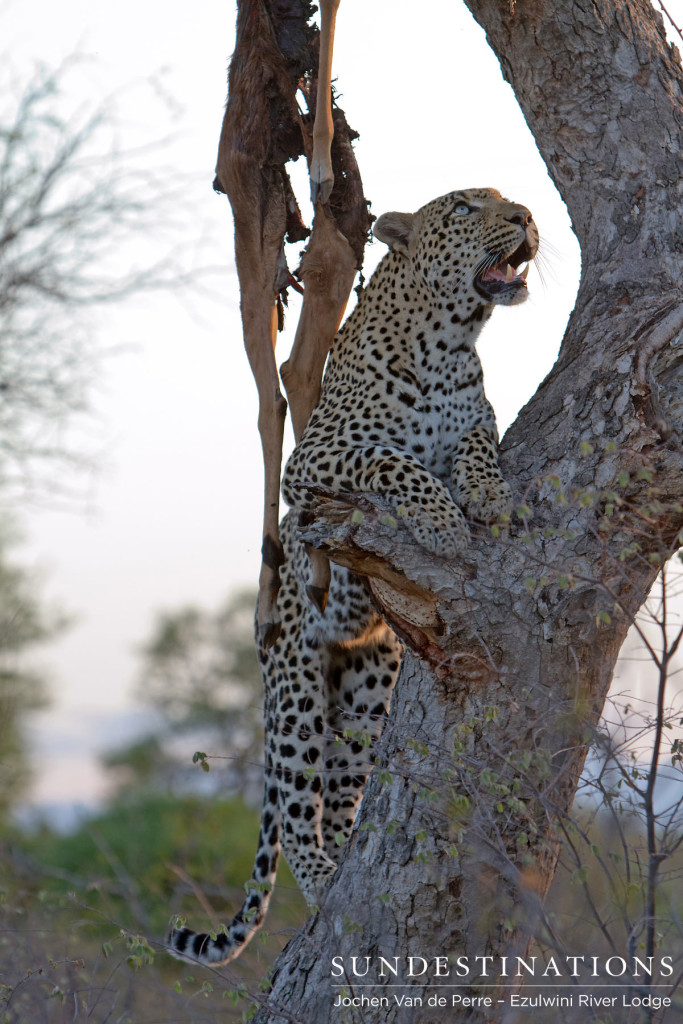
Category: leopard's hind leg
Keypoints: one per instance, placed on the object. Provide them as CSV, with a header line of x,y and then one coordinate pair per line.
x,y
360,683
295,667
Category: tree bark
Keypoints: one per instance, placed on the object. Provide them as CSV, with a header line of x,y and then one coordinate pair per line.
x,y
510,651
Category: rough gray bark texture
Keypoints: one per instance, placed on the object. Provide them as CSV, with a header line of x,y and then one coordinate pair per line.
x,y
509,662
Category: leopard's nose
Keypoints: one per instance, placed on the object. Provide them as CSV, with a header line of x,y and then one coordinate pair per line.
x,y
521,216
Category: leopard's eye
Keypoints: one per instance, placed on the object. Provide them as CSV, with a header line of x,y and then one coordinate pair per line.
x,y
462,209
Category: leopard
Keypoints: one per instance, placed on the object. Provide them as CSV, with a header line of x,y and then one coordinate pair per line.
x,y
402,414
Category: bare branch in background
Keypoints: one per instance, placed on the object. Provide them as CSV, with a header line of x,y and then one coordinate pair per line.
x,y
83,224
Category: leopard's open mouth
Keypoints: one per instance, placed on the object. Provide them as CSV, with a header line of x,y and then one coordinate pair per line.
x,y
505,278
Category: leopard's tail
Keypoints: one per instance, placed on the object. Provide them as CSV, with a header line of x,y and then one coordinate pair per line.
x,y
231,940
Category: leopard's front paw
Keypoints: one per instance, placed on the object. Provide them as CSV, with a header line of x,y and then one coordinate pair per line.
x,y
489,501
443,536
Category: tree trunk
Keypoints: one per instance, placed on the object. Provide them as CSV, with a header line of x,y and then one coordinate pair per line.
x,y
511,650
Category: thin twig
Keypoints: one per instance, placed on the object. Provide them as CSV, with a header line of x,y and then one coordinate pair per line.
x,y
670,18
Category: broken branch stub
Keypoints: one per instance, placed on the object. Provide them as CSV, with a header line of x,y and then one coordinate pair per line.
x,y
361,533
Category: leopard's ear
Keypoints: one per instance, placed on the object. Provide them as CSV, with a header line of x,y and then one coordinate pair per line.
x,y
396,230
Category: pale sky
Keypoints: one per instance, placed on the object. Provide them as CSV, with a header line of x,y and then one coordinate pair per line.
x,y
174,516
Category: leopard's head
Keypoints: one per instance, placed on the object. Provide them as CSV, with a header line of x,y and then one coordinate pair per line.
x,y
470,244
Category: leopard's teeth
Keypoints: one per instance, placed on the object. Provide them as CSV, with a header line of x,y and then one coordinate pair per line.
x,y
524,273
509,273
